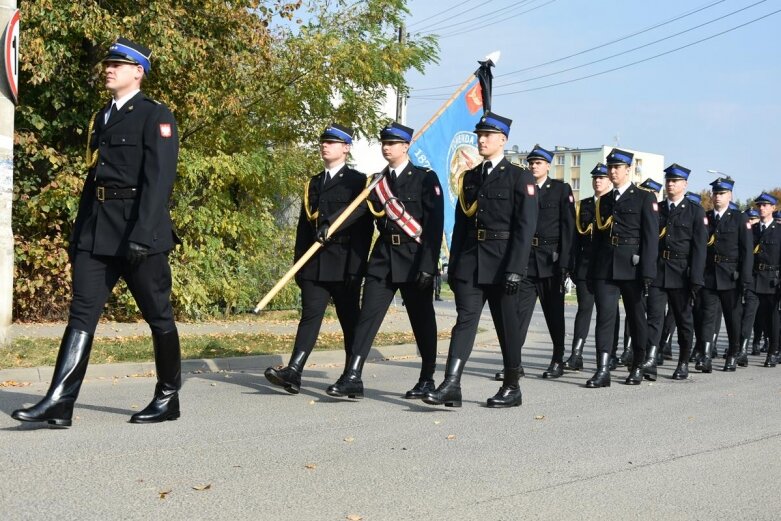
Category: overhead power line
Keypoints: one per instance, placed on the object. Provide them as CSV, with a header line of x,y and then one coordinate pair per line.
x,y
483,26
444,11
641,31
556,73
494,13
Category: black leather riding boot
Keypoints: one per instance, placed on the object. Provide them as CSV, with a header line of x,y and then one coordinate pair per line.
x,y
704,363
350,383
667,346
742,358
449,391
56,408
575,360
289,377
682,371
168,364
602,377
509,394
627,356
649,366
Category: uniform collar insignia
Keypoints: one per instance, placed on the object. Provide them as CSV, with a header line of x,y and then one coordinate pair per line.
x,y
130,108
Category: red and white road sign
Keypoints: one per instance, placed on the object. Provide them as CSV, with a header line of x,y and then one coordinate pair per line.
x,y
11,55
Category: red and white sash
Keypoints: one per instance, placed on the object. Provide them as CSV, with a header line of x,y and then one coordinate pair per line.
x,y
395,211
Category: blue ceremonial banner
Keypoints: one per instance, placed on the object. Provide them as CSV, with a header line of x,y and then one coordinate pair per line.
x,y
448,146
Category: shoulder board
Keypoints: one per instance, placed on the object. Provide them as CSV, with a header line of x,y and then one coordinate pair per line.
x,y
555,181
694,203
150,100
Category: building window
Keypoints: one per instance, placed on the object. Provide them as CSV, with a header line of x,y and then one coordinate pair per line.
x,y
560,159
575,159
575,183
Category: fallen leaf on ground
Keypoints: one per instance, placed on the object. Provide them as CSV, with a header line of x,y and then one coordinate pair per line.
x,y
14,383
164,493
349,439
310,466
214,385
539,417
134,406
451,436
354,517
202,487
437,422
311,402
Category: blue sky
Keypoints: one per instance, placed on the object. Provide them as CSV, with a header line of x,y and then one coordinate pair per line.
x,y
714,105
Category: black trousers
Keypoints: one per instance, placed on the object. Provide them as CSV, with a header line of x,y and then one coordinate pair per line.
x,y
679,300
377,297
607,293
585,310
548,290
314,300
470,300
713,301
768,317
748,321
94,276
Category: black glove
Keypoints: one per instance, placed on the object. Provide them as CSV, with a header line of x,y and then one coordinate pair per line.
x,y
512,281
136,253
694,290
646,285
564,277
424,280
322,233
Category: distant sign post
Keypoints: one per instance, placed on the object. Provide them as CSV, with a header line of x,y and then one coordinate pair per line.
x,y
9,95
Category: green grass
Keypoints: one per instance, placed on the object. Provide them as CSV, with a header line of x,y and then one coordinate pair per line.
x,y
29,352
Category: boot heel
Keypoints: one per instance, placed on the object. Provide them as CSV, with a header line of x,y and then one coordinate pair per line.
x,y
356,396
174,416
453,403
651,377
59,423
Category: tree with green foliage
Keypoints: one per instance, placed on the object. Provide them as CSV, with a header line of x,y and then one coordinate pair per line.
x,y
251,84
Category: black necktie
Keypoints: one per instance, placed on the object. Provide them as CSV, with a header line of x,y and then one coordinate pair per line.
x,y
672,206
393,174
762,228
486,167
326,177
616,194
716,219
112,112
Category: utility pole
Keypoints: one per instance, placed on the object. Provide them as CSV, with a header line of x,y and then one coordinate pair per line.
x,y
399,95
9,23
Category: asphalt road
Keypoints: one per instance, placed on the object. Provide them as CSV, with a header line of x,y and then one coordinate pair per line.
x,y
706,448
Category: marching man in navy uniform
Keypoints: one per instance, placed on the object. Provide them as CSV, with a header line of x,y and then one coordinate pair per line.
x,y
727,272
550,261
494,225
626,243
765,282
679,270
409,209
337,270
584,223
122,229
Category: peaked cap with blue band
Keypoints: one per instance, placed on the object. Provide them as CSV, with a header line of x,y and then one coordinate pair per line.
x,y
752,214
125,51
599,171
733,206
777,214
337,133
619,157
650,184
723,184
540,153
491,122
396,132
676,171
695,198
765,198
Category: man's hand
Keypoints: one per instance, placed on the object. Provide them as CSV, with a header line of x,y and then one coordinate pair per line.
x,y
322,233
564,277
424,280
694,290
512,282
136,253
353,280
646,286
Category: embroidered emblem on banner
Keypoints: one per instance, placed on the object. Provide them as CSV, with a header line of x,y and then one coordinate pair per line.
x,y
165,130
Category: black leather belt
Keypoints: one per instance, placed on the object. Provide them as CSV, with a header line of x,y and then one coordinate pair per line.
x,y
103,193
766,267
669,254
396,238
721,259
544,241
491,235
615,241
